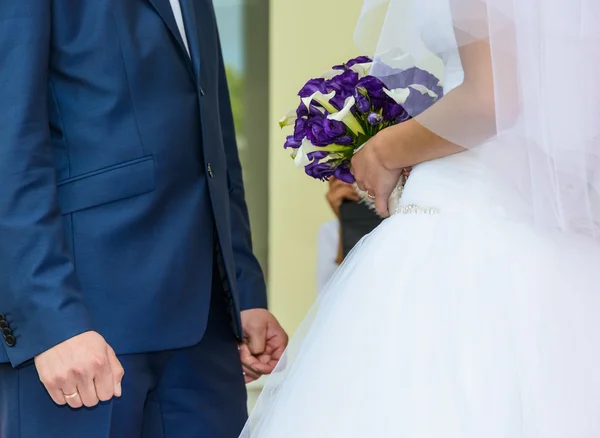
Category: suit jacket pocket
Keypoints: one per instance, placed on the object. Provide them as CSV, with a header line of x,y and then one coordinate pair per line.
x,y
106,185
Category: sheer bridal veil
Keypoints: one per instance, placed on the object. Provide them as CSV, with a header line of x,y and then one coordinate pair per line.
x,y
545,138
546,69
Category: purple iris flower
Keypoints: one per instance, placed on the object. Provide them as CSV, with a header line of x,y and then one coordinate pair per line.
x,y
317,156
417,102
322,171
402,117
319,170
338,101
344,85
323,132
291,142
333,128
373,87
357,60
363,104
315,131
302,111
346,80
300,129
312,87
374,119
391,110
342,172
344,140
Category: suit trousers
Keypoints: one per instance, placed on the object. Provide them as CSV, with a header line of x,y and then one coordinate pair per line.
x,y
193,392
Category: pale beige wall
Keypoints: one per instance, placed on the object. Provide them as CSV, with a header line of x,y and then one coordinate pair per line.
x,y
307,37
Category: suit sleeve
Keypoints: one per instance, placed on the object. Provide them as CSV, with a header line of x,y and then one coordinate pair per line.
x,y
40,300
250,278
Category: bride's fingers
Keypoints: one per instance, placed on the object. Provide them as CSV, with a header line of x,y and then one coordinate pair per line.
x,y
381,206
250,374
260,368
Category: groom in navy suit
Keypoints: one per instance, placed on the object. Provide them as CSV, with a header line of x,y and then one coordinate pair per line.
x,y
130,300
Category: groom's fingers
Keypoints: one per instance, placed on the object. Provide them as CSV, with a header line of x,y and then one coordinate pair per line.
x,y
264,358
257,339
252,364
117,372
247,358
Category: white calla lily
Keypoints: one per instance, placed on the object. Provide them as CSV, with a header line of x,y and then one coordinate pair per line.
x,y
301,154
323,100
301,158
399,95
345,116
289,119
424,90
363,69
330,74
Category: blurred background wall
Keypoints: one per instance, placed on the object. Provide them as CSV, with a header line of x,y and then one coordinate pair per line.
x,y
306,38
271,49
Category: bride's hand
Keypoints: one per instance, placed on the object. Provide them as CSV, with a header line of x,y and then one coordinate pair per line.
x,y
372,175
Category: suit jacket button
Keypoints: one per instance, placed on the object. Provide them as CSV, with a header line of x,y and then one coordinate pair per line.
x,y
10,340
6,332
3,324
2,317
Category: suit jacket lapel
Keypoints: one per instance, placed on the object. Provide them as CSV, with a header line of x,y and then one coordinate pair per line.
x,y
163,8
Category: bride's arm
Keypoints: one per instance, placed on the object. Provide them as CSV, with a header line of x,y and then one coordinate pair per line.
x,y
465,115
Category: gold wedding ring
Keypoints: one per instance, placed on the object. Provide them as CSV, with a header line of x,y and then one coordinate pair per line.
x,y
70,396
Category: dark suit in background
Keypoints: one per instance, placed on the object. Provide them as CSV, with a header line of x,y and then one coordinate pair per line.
x,y
356,221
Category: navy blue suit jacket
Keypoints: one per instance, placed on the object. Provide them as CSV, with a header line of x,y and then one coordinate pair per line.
x,y
118,170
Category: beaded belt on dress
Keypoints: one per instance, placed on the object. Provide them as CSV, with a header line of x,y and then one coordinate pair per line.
x,y
415,209
408,208
394,203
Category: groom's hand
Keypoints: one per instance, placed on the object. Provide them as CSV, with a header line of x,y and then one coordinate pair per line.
x,y
264,343
81,371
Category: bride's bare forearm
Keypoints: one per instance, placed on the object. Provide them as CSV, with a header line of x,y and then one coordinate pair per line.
x,y
412,143
456,122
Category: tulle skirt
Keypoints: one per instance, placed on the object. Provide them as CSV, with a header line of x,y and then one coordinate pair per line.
x,y
449,325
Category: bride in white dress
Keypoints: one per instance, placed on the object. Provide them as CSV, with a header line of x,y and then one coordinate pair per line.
x,y
474,310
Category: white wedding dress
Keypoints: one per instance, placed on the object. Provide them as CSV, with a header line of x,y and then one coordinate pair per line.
x,y
455,318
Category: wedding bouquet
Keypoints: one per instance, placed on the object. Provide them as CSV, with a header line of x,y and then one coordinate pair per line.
x,y
340,111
